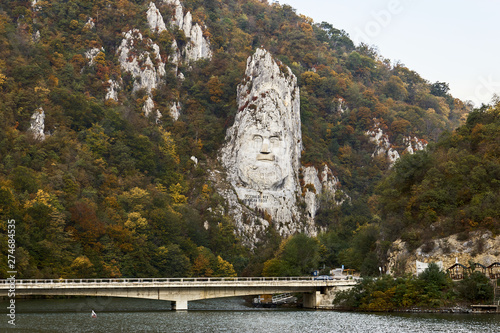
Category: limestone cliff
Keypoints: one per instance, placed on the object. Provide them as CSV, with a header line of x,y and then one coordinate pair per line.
x,y
112,90
37,125
147,66
479,247
385,148
262,153
90,54
155,19
262,150
198,46
314,184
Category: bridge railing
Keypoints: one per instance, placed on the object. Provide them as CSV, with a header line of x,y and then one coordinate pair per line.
x,y
164,280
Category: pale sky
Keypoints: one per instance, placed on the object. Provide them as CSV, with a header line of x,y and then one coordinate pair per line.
x,y
453,41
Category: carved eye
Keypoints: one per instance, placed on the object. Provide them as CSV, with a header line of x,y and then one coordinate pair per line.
x,y
274,141
257,141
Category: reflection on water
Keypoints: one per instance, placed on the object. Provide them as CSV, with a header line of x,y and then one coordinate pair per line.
x,y
222,315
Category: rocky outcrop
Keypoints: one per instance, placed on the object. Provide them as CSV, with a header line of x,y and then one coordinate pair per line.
x,y
262,149
175,110
479,247
37,126
385,147
149,107
145,66
155,19
36,36
178,13
414,144
311,189
198,46
341,105
92,53
316,184
90,23
176,56
35,5
112,90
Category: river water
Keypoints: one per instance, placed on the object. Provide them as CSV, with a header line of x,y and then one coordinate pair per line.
x,y
222,315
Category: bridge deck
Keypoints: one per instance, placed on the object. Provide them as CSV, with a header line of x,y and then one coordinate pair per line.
x,y
174,282
179,290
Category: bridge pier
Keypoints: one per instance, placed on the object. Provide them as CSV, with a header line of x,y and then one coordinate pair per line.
x,y
312,300
180,305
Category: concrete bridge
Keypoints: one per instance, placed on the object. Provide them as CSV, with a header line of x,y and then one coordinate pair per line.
x,y
182,290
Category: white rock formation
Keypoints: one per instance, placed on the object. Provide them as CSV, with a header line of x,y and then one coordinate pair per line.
x,y
148,107
112,90
90,23
35,5
187,25
147,67
262,149
37,126
341,105
414,144
311,190
198,46
178,16
92,53
36,37
384,147
316,184
481,247
175,110
155,19
176,56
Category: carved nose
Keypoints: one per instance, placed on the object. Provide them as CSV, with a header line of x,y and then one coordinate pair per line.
x,y
264,149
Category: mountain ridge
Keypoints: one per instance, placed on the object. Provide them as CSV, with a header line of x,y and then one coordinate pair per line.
x,y
113,175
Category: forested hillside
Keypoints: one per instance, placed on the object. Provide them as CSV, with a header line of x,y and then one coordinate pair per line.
x,y
108,188
452,187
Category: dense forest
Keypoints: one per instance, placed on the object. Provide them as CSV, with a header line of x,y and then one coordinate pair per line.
x,y
110,192
433,288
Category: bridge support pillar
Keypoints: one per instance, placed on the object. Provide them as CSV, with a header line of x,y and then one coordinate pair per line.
x,y
312,300
180,305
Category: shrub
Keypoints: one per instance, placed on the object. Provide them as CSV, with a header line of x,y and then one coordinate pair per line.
x,y
475,287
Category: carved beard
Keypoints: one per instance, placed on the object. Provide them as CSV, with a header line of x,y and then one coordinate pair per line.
x,y
262,175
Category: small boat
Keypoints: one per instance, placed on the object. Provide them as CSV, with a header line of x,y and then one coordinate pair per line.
x,y
93,315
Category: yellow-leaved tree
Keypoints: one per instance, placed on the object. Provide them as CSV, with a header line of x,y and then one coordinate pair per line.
x,y
224,268
168,147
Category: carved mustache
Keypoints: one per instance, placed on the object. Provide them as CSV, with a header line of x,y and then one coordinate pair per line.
x,y
265,157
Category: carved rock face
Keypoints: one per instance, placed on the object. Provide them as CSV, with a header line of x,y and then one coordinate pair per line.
x,y
263,158
262,149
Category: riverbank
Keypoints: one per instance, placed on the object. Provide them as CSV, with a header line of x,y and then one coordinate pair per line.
x,y
475,309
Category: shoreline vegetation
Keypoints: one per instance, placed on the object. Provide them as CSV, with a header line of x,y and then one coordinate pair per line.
x,y
432,291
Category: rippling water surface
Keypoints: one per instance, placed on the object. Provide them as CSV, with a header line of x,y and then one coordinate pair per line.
x,y
223,315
